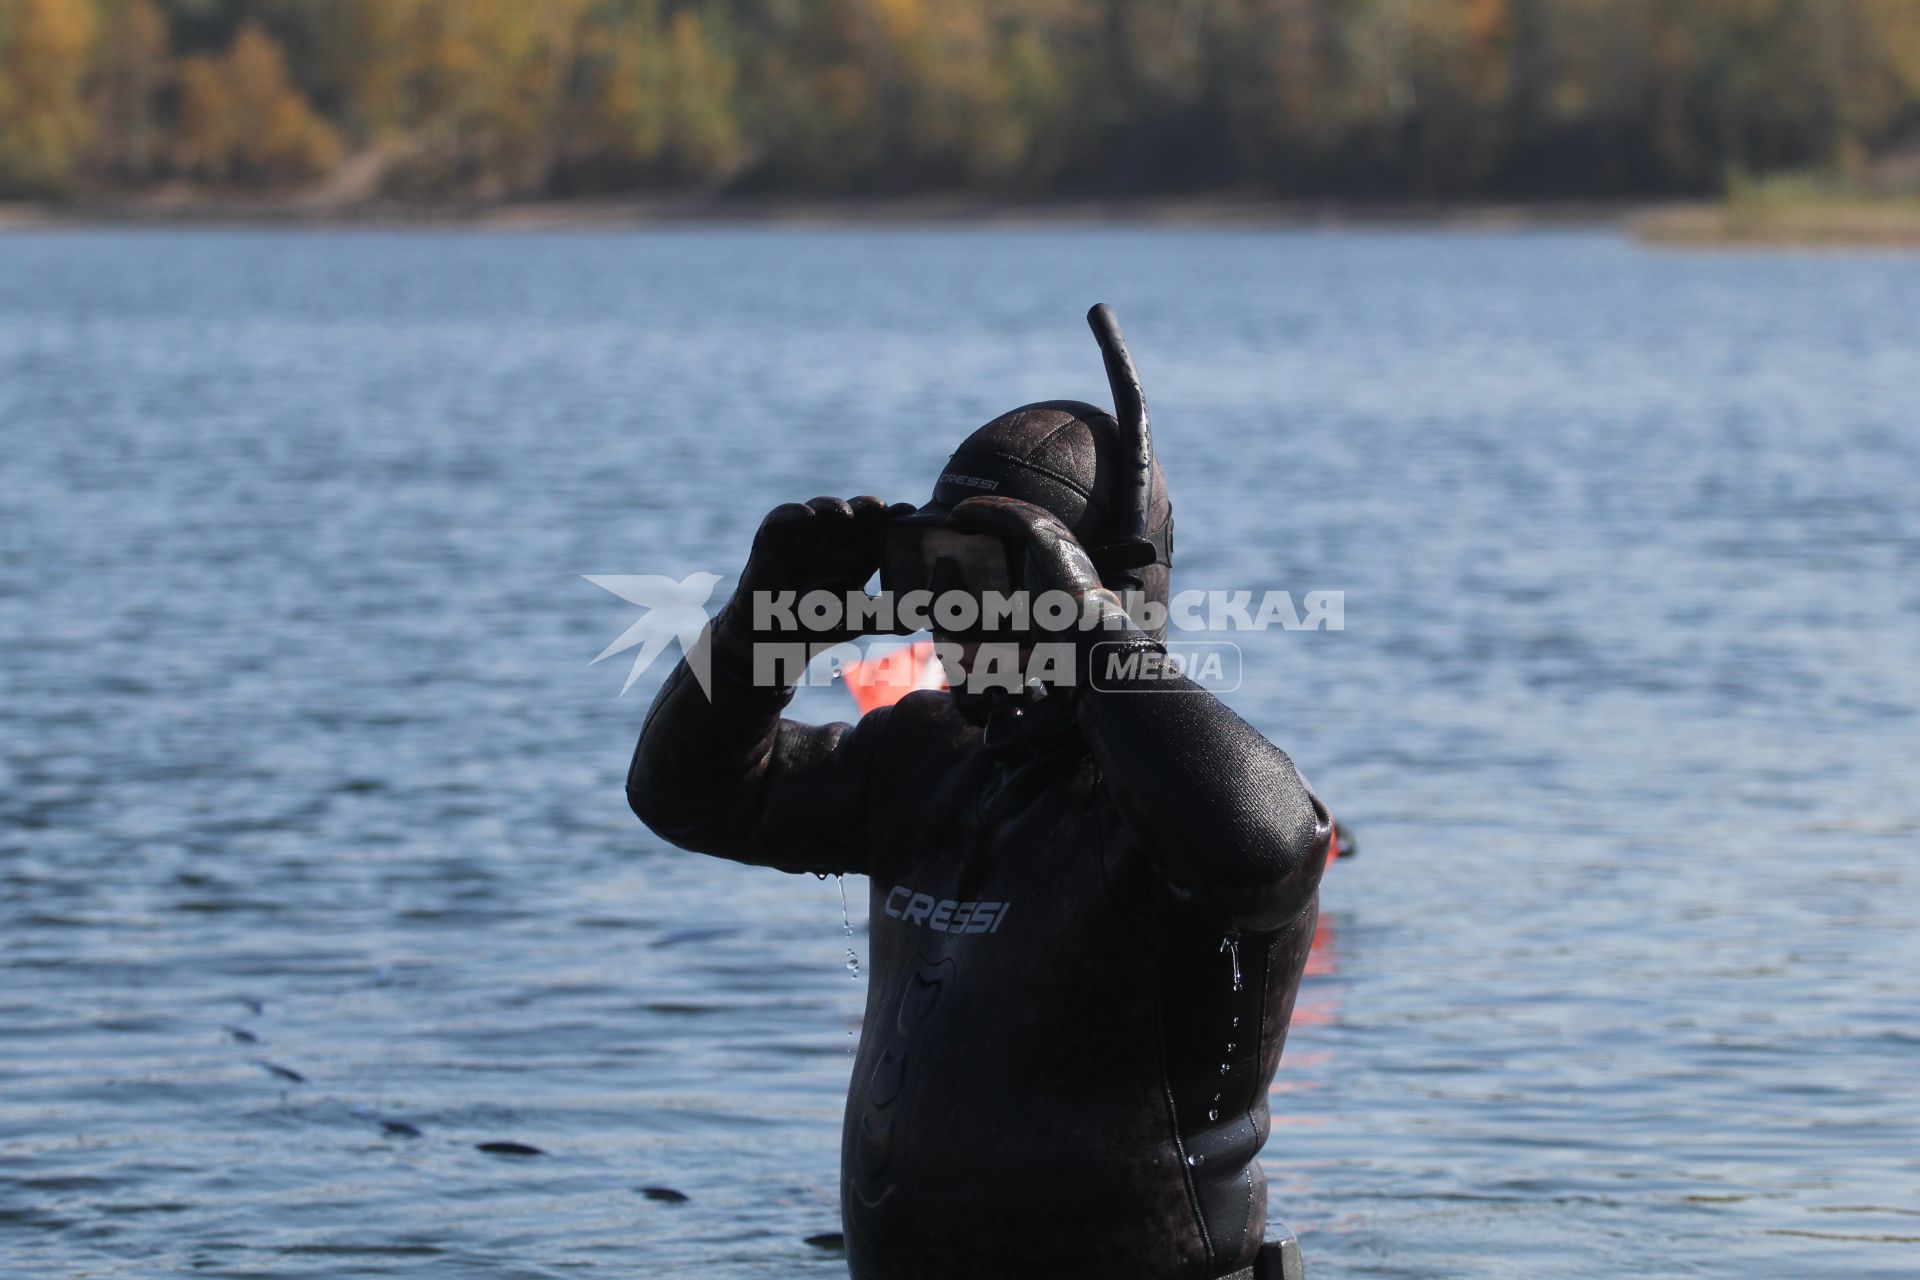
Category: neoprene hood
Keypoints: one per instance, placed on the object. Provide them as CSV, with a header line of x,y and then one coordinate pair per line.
x,y
1093,472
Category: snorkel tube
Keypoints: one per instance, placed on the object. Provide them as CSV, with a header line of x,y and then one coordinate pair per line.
x,y
1133,548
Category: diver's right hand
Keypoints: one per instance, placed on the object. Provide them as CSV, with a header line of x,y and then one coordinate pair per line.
x,y
828,544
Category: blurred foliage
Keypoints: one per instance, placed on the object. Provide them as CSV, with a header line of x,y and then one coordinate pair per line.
x,y
1358,98
46,48
240,116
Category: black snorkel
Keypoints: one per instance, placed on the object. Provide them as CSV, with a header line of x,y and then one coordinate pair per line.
x,y
1134,546
1105,491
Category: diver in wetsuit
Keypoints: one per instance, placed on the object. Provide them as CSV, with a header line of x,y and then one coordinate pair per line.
x,y
1091,904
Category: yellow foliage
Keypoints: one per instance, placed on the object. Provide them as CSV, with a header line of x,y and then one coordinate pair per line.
x,y
130,67
44,120
477,85
665,97
902,21
626,113
207,137
508,97
241,118
931,83
701,133
1893,26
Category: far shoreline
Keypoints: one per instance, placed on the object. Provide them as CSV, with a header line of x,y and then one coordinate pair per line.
x,y
1698,225
173,209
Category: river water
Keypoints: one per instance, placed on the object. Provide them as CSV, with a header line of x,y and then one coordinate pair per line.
x,y
303,763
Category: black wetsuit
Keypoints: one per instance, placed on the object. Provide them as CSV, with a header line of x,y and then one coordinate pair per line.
x,y
1086,943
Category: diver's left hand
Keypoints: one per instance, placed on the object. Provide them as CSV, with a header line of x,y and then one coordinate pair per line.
x,y
1052,559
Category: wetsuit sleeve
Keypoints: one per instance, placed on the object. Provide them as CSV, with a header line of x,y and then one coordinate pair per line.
x,y
731,778
1237,836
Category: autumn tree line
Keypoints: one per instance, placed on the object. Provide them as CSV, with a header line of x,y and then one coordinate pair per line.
x,y
487,99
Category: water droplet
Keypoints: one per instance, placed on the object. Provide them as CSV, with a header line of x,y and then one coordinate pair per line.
x,y
853,957
1229,1046
846,922
1236,1022
1196,1161
1231,945
1225,1067
1213,1113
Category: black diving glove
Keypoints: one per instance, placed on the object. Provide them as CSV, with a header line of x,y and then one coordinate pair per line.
x,y
828,544
1051,559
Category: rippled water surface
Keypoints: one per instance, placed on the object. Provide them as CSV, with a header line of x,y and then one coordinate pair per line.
x,y
302,762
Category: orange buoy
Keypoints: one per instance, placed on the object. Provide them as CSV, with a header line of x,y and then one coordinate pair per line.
x,y
883,680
